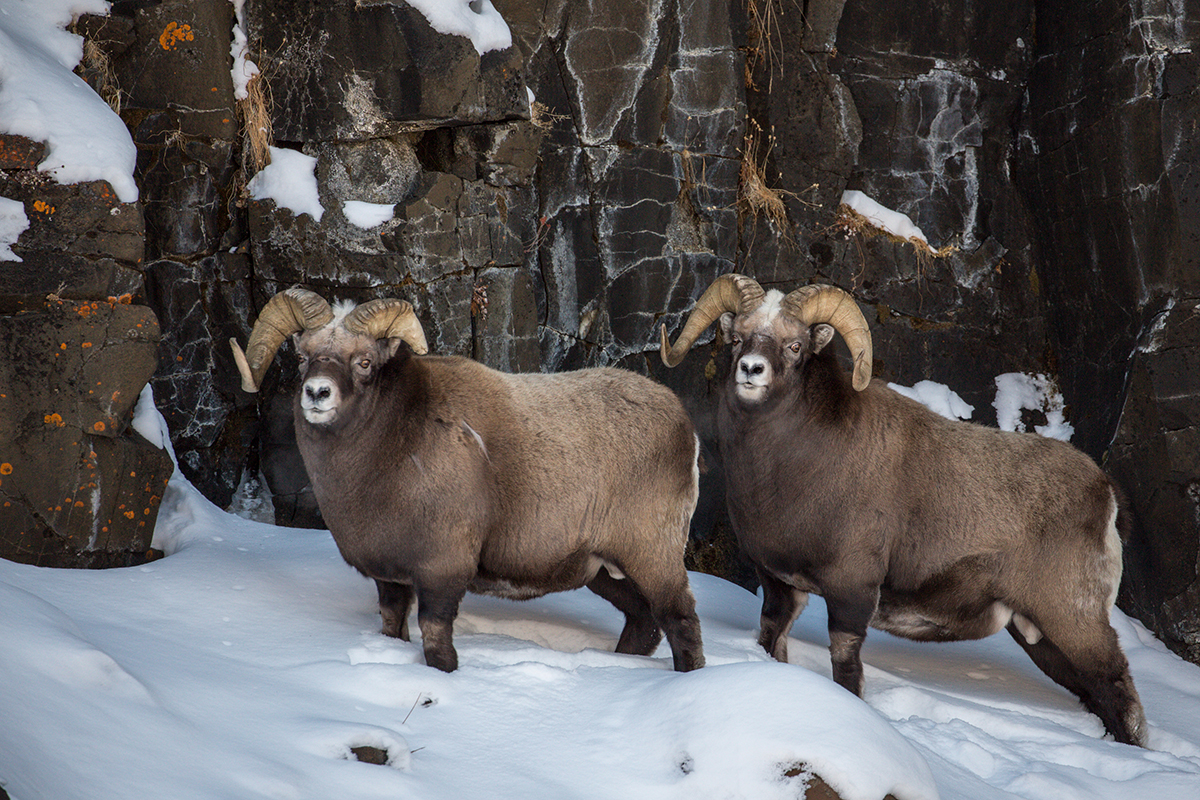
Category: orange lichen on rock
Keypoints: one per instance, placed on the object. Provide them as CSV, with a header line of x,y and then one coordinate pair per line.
x,y
175,33
54,419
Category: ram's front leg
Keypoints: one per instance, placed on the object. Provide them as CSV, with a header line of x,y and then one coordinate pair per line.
x,y
437,608
850,612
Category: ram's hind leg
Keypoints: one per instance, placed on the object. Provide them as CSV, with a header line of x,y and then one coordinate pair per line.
x,y
395,600
674,609
665,587
641,634
1088,662
781,605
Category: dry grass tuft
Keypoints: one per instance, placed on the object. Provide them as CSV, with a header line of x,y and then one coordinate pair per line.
x,y
96,64
755,197
764,41
543,117
255,111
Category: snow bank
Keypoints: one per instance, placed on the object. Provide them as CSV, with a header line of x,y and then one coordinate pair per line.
x,y
1016,391
12,223
885,219
291,181
478,20
42,99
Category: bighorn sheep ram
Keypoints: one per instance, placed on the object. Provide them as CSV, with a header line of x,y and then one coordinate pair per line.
x,y
437,475
924,527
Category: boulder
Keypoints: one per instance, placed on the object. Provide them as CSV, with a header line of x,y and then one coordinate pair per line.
x,y
79,487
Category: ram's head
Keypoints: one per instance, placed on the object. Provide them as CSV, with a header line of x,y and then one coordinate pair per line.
x,y
773,334
341,348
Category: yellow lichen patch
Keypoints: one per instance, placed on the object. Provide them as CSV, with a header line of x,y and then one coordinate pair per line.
x,y
85,345
54,419
175,33
42,207
6,468
99,427
130,514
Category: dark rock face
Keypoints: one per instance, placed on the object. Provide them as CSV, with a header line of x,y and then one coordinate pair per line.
x,y
1109,157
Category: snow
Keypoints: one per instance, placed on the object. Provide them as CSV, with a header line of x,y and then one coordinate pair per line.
x,y
937,397
43,100
12,223
248,662
478,20
1016,391
291,181
243,69
885,219
368,215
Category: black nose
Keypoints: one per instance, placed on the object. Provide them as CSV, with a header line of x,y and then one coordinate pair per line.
x,y
320,393
755,369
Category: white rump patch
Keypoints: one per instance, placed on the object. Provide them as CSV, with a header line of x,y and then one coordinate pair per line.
x,y
1113,551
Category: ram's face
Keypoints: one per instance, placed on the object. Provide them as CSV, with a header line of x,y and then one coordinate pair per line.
x,y
336,367
768,348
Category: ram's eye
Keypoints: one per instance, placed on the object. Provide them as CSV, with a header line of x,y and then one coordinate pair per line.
x,y
365,364
737,340
794,347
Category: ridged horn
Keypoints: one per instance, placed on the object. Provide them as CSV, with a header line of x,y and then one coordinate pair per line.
x,y
732,292
828,304
288,312
389,319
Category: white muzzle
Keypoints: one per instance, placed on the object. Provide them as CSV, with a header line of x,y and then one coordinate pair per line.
x,y
319,400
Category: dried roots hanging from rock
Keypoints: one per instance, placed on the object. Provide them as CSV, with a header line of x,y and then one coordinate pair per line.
x,y
255,111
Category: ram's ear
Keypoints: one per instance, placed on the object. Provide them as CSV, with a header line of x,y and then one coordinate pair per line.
x,y
819,336
726,322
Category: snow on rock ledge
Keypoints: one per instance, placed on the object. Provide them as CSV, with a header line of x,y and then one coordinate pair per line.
x,y
42,99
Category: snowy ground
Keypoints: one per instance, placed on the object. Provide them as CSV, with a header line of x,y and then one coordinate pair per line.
x,y
248,662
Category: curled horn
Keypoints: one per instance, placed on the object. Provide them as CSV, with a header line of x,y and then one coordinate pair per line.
x,y
388,319
288,312
732,292
829,304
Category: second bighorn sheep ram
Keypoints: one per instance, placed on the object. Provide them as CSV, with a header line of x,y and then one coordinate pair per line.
x,y
901,519
438,475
